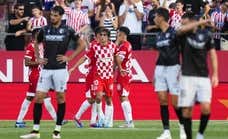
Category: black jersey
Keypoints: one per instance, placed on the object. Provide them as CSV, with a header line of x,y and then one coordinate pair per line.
x,y
194,52
55,42
167,45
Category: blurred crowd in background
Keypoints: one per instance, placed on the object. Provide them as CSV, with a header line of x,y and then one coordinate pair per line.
x,y
19,17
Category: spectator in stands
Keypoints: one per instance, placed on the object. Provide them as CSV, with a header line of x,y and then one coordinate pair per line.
x,y
166,3
17,25
147,6
48,4
29,4
224,38
175,19
206,14
102,7
151,27
131,15
218,18
62,2
37,21
117,4
109,21
76,19
193,5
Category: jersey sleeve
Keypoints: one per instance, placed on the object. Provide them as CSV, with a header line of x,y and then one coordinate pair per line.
x,y
122,52
90,52
210,43
29,52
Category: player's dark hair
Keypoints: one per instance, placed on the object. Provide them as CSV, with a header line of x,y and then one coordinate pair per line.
x,y
163,12
98,30
180,1
36,7
189,15
18,5
125,30
58,9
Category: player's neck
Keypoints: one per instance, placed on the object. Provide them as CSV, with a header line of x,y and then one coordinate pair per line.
x,y
57,25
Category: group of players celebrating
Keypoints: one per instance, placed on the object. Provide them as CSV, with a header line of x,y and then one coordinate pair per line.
x,y
187,83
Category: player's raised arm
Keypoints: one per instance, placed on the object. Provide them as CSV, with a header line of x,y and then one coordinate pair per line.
x,y
189,27
79,62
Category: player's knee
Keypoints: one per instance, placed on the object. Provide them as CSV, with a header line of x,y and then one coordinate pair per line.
x,y
109,101
60,98
123,98
205,109
187,113
90,100
39,97
163,101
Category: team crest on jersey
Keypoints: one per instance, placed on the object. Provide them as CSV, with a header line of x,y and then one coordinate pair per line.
x,y
61,30
167,35
48,31
200,37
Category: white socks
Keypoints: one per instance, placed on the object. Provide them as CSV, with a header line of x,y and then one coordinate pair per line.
x,y
23,110
93,114
109,115
51,110
85,105
126,106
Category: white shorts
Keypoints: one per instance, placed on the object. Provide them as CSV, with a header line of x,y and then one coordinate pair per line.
x,y
167,79
53,79
194,89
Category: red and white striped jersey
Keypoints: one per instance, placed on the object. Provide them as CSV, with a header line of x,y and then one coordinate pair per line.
x,y
175,19
76,18
218,18
125,53
103,56
38,22
30,53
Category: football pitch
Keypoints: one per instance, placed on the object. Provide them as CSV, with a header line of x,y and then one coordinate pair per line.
x,y
142,130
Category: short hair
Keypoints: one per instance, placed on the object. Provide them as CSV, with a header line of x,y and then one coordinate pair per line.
x,y
125,30
180,1
163,12
189,15
58,9
36,7
18,5
98,30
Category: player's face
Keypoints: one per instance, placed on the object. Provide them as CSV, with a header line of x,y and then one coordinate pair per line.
x,y
36,12
78,3
157,20
103,39
55,17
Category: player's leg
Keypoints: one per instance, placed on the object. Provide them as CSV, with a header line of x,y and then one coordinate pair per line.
x,y
204,95
108,121
186,100
60,78
187,120
23,110
50,108
174,89
84,106
161,88
123,89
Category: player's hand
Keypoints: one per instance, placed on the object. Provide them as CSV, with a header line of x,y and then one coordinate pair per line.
x,y
70,71
42,61
62,59
123,72
214,80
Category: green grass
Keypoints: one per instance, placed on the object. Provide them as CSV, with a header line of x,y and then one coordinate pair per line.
x,y
142,130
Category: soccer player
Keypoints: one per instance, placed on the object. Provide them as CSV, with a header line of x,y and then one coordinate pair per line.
x,y
103,53
124,74
34,70
89,88
55,37
195,82
167,71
